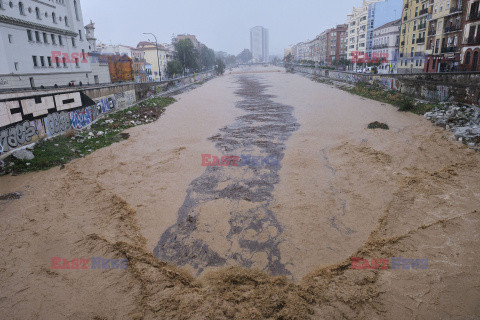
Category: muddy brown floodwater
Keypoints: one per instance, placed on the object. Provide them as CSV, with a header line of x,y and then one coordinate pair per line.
x,y
270,238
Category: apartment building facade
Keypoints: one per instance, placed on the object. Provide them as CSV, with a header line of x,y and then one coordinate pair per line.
x,y
386,40
303,51
158,65
470,50
413,35
137,57
360,30
43,43
444,37
336,45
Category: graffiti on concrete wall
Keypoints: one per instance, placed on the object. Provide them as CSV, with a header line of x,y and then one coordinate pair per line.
x,y
81,118
440,93
26,120
21,134
387,83
56,123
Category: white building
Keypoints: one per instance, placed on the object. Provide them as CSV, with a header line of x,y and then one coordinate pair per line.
x,y
385,46
360,29
302,51
43,43
259,44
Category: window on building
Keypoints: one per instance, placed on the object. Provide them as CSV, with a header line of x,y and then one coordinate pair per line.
x,y
21,9
15,64
54,17
468,57
49,60
66,21
10,38
29,35
42,61
37,12
80,35
76,63
57,61
35,62
77,14
73,42
60,40
53,39
37,36
45,38
64,62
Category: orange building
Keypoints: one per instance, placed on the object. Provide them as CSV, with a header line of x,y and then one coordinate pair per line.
x,y
120,67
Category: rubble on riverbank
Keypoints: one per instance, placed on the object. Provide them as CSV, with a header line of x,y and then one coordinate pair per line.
x,y
463,121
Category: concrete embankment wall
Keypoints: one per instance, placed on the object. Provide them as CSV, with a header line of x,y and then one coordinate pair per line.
x,y
28,116
439,87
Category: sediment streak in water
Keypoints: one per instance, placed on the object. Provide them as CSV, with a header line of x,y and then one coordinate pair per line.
x,y
243,193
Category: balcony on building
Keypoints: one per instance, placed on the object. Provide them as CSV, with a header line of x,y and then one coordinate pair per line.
x,y
451,28
456,9
449,49
420,40
423,11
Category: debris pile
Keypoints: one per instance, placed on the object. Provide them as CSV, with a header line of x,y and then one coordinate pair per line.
x,y
378,125
463,121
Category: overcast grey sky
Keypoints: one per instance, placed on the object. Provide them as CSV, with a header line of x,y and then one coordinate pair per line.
x,y
222,25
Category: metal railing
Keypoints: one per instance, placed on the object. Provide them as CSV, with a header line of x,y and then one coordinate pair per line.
x,y
449,49
455,9
451,29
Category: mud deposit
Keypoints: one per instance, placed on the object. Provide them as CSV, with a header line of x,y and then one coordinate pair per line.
x,y
240,194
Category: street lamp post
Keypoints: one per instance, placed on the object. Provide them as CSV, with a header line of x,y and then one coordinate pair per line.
x,y
158,57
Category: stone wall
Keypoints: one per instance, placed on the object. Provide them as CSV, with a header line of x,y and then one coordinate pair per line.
x,y
145,90
438,87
